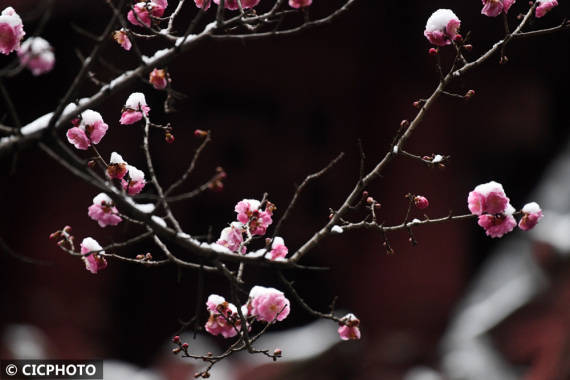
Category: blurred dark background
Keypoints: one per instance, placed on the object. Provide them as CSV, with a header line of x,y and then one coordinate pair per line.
x,y
279,109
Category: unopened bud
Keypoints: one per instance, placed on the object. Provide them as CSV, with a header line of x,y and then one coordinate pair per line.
x,y
176,350
469,94
458,38
377,206
91,163
504,59
277,352
55,235
369,200
185,345
200,133
421,202
176,339
468,47
67,229
365,194
148,256
432,51
404,124
139,257
169,137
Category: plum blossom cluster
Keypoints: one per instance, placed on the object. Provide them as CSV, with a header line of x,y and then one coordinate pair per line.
x,y
496,214
37,55
252,220
264,305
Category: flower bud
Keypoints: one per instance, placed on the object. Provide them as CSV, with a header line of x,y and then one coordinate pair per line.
x,y
200,133
404,124
432,51
169,137
468,47
176,339
369,200
458,38
469,94
421,202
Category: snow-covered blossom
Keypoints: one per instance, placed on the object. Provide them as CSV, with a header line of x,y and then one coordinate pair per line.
x,y
278,249
89,129
268,304
493,8
487,198
348,327
37,55
159,79
300,3
496,225
233,4
544,7
136,181
11,30
134,109
249,213
421,202
144,10
93,262
531,214
223,317
117,166
232,237
441,27
122,39
103,211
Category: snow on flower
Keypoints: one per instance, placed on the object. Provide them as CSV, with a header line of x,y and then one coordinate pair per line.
x,y
103,211
37,55
136,181
232,237
117,168
134,109
349,327
11,31
159,79
496,225
531,214
441,27
300,3
122,39
268,304
250,214
278,249
144,10
223,317
94,262
233,4
487,198
544,7
493,8
89,129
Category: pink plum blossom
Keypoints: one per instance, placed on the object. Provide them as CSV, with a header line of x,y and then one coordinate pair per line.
x,y
122,39
144,10
11,31
203,4
544,7
349,327
223,317
117,168
233,4
136,181
441,27
89,130
493,8
496,225
300,3
159,79
93,262
531,214
487,198
37,55
103,211
250,214
134,109
278,249
232,237
268,304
